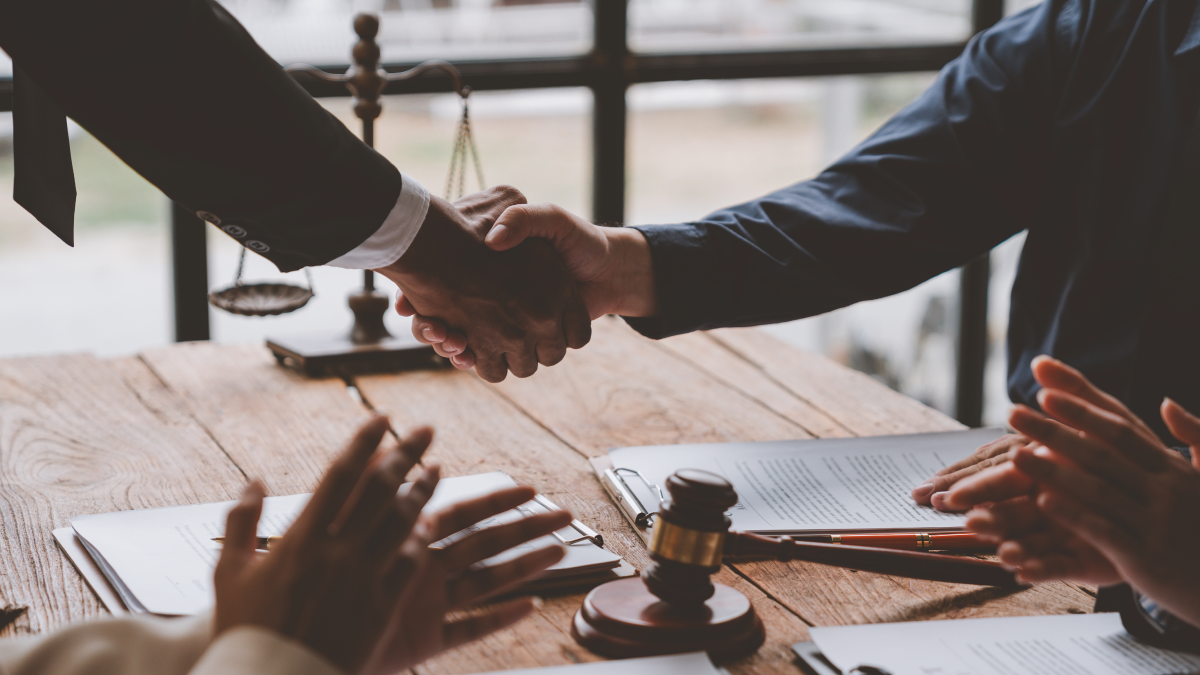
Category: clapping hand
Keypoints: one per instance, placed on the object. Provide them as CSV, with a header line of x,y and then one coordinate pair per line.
x,y
452,580
354,579
1100,499
611,265
334,581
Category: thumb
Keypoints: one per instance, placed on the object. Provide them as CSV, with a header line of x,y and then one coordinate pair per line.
x,y
1184,425
241,531
522,221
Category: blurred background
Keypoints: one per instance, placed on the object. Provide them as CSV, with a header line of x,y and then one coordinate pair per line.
x,y
692,147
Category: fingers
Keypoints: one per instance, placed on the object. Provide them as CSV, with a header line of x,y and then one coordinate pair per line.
x,y
1129,440
463,361
458,633
577,324
486,543
403,306
1088,450
1091,491
1006,520
1184,426
340,480
1054,374
494,579
997,484
395,526
1109,536
522,363
460,516
518,223
241,530
377,490
489,367
990,455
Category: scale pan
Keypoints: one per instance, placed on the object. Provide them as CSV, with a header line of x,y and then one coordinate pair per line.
x,y
261,299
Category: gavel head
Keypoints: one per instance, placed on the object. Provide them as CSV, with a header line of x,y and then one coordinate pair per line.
x,y
689,535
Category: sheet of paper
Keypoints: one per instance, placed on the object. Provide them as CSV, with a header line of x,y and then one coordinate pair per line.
x,y
696,663
1072,644
160,561
830,485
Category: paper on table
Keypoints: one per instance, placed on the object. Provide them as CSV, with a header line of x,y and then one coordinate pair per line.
x,y
830,485
160,561
696,663
1072,644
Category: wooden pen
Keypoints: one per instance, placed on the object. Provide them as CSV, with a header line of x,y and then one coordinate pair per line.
x,y
906,541
262,543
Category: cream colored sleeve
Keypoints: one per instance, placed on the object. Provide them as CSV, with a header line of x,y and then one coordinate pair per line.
x,y
155,646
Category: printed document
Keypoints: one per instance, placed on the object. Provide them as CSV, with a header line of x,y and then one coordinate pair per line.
x,y
812,486
160,561
1072,644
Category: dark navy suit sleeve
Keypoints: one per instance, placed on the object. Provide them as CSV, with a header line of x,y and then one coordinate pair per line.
x,y
943,181
180,92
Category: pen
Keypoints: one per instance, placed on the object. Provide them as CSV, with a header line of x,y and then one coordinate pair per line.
x,y
906,541
262,544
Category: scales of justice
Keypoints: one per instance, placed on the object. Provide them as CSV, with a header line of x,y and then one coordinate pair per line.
x,y
674,606
368,346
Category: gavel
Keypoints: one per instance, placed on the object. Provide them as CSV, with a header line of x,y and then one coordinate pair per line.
x,y
675,606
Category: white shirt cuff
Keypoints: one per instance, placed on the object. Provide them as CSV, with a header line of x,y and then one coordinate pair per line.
x,y
250,650
396,233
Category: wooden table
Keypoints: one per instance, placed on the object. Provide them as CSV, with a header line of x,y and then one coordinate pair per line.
x,y
190,423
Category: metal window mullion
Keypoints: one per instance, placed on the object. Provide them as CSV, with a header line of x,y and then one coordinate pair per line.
x,y
973,290
610,50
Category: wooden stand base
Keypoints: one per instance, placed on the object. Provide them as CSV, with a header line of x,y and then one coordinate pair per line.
x,y
622,619
325,355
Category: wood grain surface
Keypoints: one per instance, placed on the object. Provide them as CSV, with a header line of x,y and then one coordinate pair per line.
x,y
479,430
81,435
273,423
77,437
819,594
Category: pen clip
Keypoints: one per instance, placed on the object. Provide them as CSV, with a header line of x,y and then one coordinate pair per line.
x,y
642,517
586,533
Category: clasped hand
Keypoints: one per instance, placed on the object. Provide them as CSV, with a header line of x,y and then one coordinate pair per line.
x,y
608,269
354,580
518,307
1097,497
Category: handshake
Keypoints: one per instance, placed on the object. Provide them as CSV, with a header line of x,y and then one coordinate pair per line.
x,y
500,285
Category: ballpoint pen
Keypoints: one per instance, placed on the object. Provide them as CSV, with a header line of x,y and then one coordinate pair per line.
x,y
906,541
262,544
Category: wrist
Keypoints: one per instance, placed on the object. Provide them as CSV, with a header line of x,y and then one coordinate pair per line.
x,y
630,278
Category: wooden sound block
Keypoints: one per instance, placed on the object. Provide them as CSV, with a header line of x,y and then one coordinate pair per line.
x,y
622,619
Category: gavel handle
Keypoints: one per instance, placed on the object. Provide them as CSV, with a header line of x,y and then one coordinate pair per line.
x,y
910,564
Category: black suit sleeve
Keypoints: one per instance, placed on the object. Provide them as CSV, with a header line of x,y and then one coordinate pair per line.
x,y
182,93
948,178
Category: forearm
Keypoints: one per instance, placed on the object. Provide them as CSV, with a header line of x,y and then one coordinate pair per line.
x,y
632,284
132,646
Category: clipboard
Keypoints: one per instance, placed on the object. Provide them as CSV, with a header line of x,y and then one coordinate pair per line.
x,y
813,662
617,483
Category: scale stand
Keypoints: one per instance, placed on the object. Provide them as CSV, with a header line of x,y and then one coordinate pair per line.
x,y
368,347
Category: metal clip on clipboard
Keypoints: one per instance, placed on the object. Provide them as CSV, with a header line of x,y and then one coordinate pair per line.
x,y
586,533
642,516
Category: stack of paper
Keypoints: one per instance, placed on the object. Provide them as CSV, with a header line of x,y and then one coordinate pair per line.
x,y
803,487
160,561
1079,644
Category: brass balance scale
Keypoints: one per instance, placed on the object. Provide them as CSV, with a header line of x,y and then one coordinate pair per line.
x,y
368,346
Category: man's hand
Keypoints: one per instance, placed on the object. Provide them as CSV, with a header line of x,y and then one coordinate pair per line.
x,y
334,581
421,628
1051,374
516,308
933,491
1112,503
612,266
